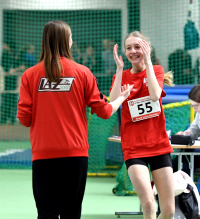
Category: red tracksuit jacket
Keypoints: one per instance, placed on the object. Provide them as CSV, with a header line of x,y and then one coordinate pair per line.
x,y
56,112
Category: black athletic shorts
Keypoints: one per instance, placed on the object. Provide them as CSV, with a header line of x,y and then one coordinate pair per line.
x,y
155,162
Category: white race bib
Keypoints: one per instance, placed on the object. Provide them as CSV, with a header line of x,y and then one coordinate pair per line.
x,y
143,108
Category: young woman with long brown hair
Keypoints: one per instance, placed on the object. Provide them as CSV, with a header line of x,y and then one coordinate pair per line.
x,y
53,99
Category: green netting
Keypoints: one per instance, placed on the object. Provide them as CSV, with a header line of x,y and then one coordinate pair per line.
x,y
177,119
96,26
99,130
124,186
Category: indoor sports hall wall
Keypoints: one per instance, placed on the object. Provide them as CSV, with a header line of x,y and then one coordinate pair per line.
x,y
96,26
164,21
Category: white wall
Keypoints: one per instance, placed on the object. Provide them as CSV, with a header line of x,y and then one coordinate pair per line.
x,y
66,5
167,18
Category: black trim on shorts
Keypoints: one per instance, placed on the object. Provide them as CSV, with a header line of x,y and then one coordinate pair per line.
x,y
156,162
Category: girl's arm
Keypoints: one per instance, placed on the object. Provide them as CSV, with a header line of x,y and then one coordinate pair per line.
x,y
114,94
25,103
194,127
97,101
193,130
153,86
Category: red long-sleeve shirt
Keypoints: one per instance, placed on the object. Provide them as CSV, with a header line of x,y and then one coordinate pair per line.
x,y
56,112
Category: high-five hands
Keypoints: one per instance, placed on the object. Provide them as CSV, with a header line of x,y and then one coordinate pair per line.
x,y
125,90
124,93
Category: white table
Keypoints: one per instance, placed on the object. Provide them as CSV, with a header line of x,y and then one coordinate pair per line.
x,y
179,154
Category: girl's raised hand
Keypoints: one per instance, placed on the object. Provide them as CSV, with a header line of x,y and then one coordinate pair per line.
x,y
118,59
146,50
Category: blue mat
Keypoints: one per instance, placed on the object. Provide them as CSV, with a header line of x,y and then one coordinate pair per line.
x,y
173,98
22,158
179,86
178,93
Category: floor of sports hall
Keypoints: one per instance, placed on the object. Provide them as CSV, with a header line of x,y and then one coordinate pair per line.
x,y
16,198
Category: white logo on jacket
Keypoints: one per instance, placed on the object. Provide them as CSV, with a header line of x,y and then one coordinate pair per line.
x,y
64,85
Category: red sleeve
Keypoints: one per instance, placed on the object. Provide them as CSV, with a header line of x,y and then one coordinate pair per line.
x,y
95,99
113,80
159,72
25,103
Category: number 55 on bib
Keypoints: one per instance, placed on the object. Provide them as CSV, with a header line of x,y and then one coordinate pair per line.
x,y
143,108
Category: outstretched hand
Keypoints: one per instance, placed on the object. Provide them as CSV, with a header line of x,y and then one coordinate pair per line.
x,y
125,90
146,50
118,59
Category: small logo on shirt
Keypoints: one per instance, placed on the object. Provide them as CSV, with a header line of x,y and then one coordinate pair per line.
x,y
64,85
145,82
131,103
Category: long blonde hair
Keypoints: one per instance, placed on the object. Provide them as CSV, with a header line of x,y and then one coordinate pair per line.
x,y
168,77
55,43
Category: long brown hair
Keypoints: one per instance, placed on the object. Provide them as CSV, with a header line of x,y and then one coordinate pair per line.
x,y
194,93
168,77
55,43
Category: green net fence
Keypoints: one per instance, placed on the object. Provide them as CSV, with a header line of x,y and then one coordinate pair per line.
x,y
172,27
